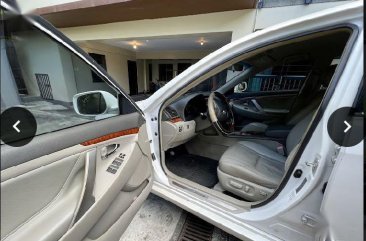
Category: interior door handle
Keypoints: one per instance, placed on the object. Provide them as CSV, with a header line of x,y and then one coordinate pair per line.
x,y
255,103
109,150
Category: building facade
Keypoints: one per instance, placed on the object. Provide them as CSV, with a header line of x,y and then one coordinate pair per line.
x,y
143,44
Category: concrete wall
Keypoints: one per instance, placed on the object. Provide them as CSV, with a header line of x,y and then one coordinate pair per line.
x,y
84,80
116,60
67,73
38,54
270,16
239,22
9,90
282,3
173,54
26,5
142,80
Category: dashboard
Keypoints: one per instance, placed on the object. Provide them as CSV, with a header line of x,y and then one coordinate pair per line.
x,y
195,107
189,106
183,119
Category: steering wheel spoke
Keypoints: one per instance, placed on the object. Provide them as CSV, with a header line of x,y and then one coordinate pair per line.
x,y
220,112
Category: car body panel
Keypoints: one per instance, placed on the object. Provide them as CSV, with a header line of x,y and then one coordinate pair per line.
x,y
61,186
284,212
278,219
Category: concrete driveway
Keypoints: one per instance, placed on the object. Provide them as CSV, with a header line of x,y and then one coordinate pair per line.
x,y
160,220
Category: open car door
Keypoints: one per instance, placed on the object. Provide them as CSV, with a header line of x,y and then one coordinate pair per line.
x,y
84,169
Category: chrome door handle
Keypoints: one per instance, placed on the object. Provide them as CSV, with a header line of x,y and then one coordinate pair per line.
x,y
109,150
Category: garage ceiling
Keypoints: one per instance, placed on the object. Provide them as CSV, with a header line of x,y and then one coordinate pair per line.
x,y
90,12
192,42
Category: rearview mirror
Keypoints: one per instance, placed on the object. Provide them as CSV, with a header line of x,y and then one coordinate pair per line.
x,y
95,103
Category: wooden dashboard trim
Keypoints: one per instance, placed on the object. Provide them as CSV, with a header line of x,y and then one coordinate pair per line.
x,y
110,136
176,119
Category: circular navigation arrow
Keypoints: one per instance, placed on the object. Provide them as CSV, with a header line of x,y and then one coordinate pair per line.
x,y
18,126
15,126
348,126
345,127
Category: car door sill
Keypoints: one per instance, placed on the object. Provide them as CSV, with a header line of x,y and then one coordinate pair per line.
x,y
203,208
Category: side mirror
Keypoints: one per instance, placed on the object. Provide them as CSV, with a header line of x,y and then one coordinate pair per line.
x,y
243,86
95,103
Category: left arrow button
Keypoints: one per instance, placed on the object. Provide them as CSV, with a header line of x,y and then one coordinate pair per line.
x,y
18,126
15,126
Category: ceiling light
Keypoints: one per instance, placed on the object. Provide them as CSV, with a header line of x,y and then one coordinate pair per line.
x,y
202,42
135,44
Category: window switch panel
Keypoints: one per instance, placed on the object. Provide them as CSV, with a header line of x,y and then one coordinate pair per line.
x,y
117,163
111,170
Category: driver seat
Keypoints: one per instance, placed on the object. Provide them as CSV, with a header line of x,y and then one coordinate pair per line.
x,y
253,171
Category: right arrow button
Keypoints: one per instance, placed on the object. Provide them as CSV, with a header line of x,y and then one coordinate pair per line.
x,y
345,127
348,126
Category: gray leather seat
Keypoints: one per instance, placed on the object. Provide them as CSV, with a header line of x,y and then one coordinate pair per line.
x,y
251,170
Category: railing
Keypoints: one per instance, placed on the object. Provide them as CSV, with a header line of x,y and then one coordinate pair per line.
x,y
264,83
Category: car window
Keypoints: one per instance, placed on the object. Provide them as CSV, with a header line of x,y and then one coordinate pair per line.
x,y
218,80
50,81
284,77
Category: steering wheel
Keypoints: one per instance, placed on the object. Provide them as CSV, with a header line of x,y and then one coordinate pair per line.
x,y
220,112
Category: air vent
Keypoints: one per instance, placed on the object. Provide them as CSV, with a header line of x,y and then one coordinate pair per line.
x,y
195,229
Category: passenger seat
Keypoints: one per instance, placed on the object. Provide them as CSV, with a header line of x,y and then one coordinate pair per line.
x,y
253,171
296,117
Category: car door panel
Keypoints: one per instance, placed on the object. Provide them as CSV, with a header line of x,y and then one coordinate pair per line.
x,y
268,104
62,184
128,199
54,141
276,104
29,197
263,108
108,187
117,229
85,174
41,197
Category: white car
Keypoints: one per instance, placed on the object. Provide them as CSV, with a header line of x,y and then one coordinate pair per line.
x,y
262,138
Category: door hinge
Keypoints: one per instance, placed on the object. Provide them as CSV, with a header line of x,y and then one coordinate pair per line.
x,y
333,159
314,165
308,220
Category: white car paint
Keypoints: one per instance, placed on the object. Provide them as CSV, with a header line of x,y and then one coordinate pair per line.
x,y
284,217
